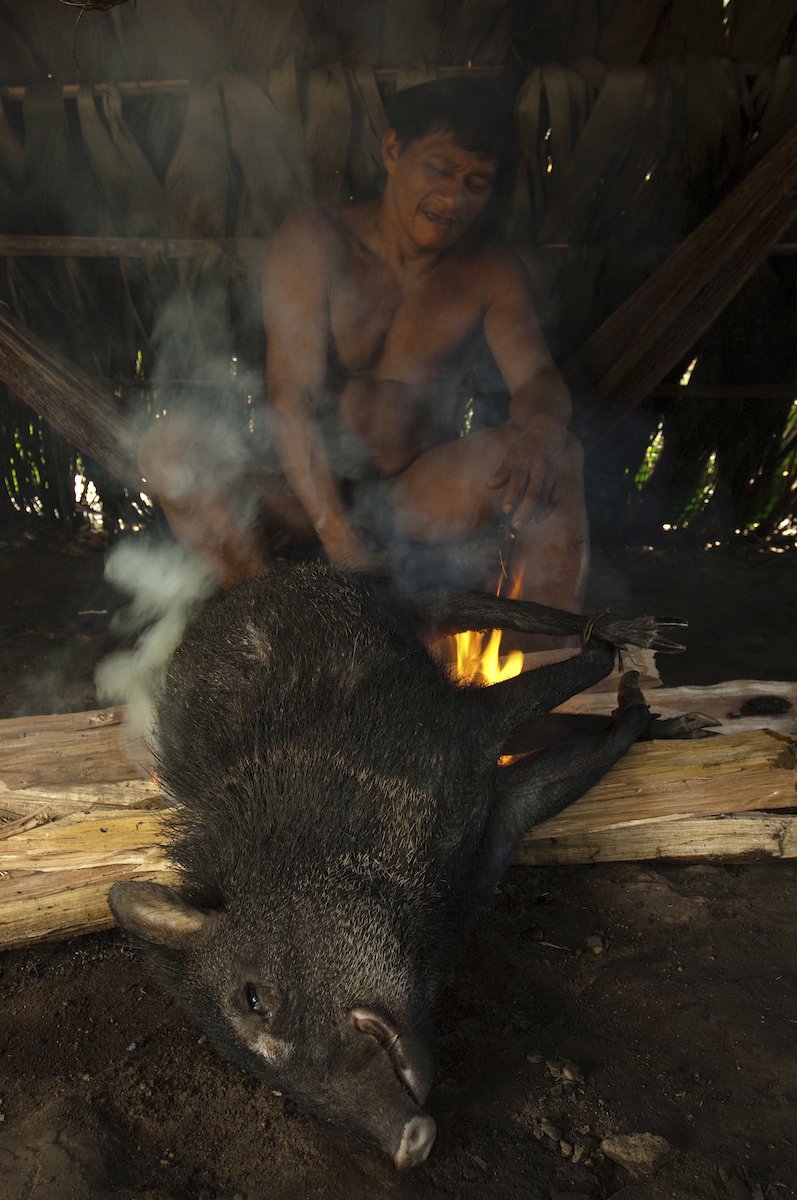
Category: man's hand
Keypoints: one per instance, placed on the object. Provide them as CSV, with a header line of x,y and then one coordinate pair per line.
x,y
344,549
530,470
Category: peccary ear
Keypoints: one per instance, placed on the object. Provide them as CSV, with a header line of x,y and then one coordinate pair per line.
x,y
158,914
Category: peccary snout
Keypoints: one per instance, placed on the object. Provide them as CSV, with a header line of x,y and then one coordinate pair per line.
x,y
285,1017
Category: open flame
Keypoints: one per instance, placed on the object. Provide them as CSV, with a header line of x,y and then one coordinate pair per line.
x,y
476,657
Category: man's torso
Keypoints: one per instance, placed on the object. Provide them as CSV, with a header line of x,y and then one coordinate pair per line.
x,y
394,337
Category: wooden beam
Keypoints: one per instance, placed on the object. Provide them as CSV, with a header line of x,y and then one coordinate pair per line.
x,y
652,331
384,75
178,87
29,245
14,245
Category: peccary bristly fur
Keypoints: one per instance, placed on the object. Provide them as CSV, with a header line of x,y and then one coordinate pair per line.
x,y
339,820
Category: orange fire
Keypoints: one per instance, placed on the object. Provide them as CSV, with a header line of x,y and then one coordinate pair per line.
x,y
476,657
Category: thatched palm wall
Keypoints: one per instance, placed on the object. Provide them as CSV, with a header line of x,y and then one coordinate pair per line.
x,y
624,147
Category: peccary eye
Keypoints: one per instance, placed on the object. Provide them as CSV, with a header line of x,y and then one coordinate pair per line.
x,y
253,1000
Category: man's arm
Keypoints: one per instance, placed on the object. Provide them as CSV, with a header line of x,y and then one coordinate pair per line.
x,y
296,320
539,406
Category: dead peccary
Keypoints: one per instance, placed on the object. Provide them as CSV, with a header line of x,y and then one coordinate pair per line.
x,y
340,820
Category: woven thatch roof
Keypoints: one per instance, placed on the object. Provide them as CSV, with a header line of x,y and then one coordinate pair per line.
x,y
210,119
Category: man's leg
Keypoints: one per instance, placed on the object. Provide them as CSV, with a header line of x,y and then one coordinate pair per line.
x,y
443,496
217,504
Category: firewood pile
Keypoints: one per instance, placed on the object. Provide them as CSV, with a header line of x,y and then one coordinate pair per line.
x,y
79,807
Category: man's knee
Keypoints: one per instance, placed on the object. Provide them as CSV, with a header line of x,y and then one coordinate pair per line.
x,y
573,458
568,492
166,447
181,457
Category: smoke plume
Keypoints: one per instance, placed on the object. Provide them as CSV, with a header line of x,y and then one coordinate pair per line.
x,y
165,586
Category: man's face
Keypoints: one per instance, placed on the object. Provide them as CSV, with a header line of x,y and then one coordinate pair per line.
x,y
435,189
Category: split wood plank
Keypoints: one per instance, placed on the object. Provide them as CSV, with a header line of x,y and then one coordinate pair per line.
x,y
732,837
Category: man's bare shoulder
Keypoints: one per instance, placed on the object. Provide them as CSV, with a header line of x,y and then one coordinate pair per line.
x,y
306,237
321,233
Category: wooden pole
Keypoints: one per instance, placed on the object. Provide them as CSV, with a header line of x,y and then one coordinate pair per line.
x,y
27,245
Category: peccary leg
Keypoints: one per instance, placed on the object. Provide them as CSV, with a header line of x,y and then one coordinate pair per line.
x,y
509,704
553,729
537,788
447,611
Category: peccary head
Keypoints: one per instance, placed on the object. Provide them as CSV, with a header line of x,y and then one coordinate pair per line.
x,y
345,1034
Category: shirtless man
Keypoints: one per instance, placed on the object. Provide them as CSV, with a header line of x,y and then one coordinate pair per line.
x,y
364,309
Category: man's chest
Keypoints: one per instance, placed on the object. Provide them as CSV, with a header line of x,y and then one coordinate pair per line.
x,y
401,329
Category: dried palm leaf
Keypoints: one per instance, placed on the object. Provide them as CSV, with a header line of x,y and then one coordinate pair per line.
x,y
369,122
775,101
552,109
263,34
605,150
629,29
759,31
556,30
12,155
526,198
132,192
690,27
350,32
186,38
66,47
564,285
17,61
271,156
713,118
774,96
198,178
412,32
475,31
328,132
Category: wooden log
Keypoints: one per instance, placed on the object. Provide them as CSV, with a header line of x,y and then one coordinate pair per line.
x,y
80,407
733,837
72,751
38,245
663,800
655,328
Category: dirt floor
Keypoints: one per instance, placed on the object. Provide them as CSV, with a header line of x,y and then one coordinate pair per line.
x,y
593,1001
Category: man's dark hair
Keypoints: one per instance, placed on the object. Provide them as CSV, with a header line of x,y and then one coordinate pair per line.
x,y
471,110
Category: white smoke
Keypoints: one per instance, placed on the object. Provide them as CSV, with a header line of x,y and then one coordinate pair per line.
x,y
165,585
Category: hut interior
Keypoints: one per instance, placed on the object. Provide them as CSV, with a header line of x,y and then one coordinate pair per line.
x,y
636,976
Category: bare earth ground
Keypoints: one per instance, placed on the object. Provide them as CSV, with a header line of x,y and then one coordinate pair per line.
x,y
682,1026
